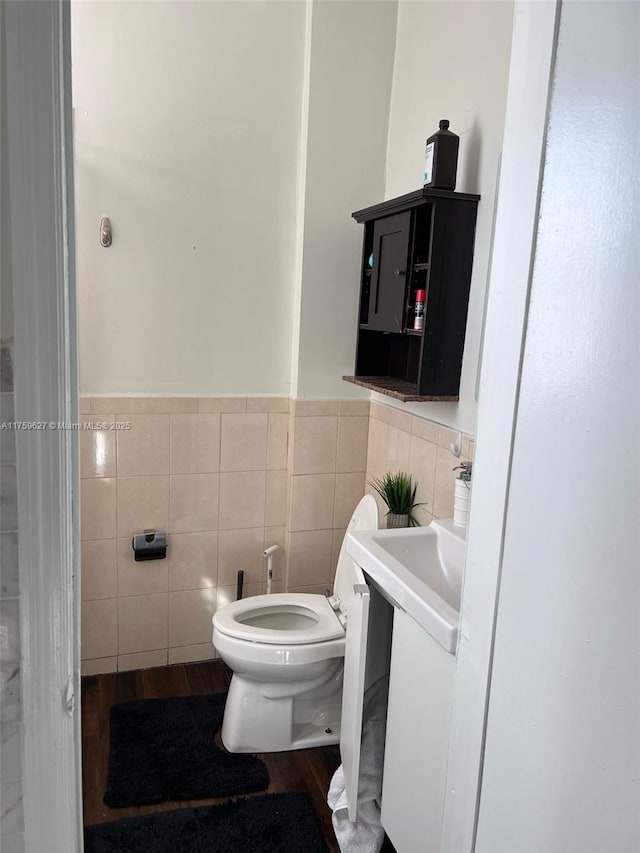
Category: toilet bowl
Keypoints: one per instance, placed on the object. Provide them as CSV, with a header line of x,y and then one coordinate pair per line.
x,y
287,655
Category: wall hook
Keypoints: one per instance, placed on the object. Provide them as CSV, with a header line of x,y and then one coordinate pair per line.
x,y
456,447
106,237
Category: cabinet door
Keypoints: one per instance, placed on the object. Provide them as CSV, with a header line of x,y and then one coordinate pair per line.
x,y
355,658
415,757
389,276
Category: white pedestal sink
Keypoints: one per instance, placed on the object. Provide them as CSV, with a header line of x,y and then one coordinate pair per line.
x,y
420,570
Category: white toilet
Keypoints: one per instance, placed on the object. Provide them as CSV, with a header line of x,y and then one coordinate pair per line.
x,y
287,655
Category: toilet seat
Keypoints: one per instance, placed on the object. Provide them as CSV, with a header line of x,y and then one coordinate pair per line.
x,y
295,618
280,619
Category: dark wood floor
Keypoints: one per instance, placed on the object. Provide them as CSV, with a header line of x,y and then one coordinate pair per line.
x,y
307,770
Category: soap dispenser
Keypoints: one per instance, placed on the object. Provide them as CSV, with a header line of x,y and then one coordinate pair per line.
x,y
462,495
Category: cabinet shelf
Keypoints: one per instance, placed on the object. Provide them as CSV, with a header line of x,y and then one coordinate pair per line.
x,y
415,332
397,388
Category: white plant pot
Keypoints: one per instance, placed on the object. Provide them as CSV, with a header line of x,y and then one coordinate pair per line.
x,y
394,520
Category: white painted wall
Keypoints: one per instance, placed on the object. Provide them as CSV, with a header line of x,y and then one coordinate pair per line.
x,y
452,61
351,66
187,124
229,143
562,759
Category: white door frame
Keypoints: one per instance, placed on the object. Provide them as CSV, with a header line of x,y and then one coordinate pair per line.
x,y
37,43
41,210
533,53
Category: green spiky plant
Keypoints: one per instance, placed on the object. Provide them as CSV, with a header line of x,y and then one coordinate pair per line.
x,y
398,491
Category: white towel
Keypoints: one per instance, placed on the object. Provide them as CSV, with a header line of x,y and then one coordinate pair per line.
x,y
366,835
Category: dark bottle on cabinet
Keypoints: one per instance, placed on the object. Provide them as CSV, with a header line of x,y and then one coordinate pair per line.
x,y
441,158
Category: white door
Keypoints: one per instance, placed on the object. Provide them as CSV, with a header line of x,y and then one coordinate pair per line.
x,y
38,104
355,660
562,756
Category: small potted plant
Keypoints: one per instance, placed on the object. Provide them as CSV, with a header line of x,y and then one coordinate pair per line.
x,y
398,492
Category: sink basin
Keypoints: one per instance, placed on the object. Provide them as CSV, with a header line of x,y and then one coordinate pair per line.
x,y
419,570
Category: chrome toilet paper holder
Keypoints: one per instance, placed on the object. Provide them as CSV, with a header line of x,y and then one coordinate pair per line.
x,y
150,545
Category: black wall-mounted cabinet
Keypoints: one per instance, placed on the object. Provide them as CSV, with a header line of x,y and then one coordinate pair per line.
x,y
420,241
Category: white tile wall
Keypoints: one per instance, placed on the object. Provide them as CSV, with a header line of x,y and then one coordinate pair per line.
x,y
226,476
212,472
399,441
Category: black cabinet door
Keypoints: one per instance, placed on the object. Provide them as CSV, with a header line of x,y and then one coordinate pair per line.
x,y
389,274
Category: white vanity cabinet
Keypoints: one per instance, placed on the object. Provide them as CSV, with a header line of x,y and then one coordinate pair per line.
x,y
419,572
418,718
